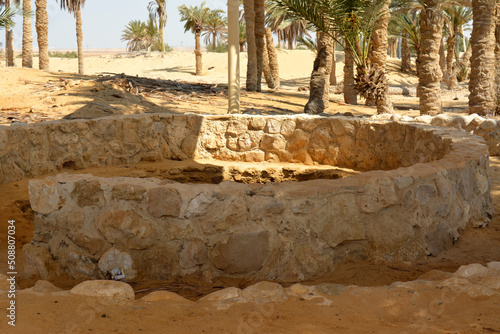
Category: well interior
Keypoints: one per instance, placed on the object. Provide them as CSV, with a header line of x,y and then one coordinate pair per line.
x,y
420,187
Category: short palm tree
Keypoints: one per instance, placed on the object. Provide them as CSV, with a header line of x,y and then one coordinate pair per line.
x,y
350,23
75,7
288,27
196,18
158,15
135,34
9,34
215,28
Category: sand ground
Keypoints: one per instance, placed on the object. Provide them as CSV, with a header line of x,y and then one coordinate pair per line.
x,y
29,96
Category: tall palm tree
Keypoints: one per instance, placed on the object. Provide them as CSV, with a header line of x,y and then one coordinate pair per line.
x,y
454,17
482,98
431,28
195,17
9,36
27,60
42,31
260,37
288,27
215,28
249,8
378,57
75,7
158,14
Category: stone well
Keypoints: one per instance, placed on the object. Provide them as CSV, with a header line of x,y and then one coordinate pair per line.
x,y
420,186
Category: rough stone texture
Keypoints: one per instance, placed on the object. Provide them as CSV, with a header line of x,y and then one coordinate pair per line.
x,y
423,185
99,288
165,295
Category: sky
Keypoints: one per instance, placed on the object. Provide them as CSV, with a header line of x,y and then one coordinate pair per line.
x,y
104,21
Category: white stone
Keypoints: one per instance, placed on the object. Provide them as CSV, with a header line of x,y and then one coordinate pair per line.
x,y
165,295
470,270
117,290
44,197
266,292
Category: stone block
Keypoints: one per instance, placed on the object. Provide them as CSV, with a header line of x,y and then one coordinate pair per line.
x,y
273,126
298,141
44,196
126,229
242,253
88,193
127,192
194,253
164,202
287,128
165,296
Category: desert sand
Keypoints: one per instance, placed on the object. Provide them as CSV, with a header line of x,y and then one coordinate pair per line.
x,y
30,96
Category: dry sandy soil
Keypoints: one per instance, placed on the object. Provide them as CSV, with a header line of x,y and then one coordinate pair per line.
x,y
29,96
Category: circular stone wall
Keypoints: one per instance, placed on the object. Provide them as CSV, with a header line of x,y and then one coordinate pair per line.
x,y
422,185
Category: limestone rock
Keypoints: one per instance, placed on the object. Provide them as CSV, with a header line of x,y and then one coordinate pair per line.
x,y
88,240
165,295
44,197
88,193
330,289
128,192
228,294
100,288
266,292
126,229
471,270
36,260
164,202
114,259
242,252
194,253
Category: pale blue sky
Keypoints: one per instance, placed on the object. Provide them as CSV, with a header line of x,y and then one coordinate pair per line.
x,y
103,22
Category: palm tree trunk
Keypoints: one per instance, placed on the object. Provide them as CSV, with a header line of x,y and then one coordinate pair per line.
x,y
451,78
260,38
316,104
442,60
161,38
482,98
325,41
273,58
393,47
42,30
266,68
251,84
350,95
290,44
213,45
27,36
405,55
333,71
79,39
378,58
197,53
431,26
497,54
9,45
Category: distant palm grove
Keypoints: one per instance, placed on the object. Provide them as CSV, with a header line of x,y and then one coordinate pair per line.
x,y
433,34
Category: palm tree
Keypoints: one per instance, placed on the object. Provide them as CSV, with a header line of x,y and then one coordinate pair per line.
x,y
288,27
215,28
454,17
9,37
251,83
431,27
354,22
27,60
243,36
75,7
482,98
135,33
158,15
42,30
195,17
378,57
273,58
6,16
